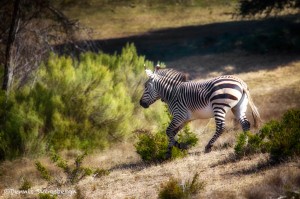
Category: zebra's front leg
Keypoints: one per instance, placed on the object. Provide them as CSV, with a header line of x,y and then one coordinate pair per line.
x,y
175,126
220,126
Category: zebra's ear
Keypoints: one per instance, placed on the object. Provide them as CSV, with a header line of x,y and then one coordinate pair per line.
x,y
157,67
149,73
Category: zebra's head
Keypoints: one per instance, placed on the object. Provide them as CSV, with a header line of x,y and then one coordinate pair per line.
x,y
150,94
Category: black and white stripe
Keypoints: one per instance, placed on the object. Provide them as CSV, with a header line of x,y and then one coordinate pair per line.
x,y
190,100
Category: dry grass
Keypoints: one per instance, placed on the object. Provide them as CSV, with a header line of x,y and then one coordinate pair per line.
x,y
273,89
277,184
135,180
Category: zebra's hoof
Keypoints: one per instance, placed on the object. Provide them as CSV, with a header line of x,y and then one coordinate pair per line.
x,y
207,149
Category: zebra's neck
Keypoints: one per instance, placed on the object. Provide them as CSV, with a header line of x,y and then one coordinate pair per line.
x,y
166,88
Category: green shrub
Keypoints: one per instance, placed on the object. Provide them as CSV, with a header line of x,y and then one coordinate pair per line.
x,y
284,136
73,172
279,138
81,104
174,189
171,190
188,137
257,143
153,147
240,146
249,143
20,128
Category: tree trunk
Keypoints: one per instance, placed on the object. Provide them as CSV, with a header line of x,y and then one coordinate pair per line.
x,y
8,70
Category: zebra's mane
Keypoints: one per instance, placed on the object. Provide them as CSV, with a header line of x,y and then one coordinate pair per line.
x,y
172,74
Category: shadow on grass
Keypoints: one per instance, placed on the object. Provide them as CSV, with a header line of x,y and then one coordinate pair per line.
x,y
260,167
138,166
134,166
278,35
230,158
196,153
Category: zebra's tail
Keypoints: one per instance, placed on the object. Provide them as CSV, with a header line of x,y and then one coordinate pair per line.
x,y
255,113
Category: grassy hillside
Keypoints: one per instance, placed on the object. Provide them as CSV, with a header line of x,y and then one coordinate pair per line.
x,y
124,18
223,175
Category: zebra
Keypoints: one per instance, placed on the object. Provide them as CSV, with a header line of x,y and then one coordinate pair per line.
x,y
191,100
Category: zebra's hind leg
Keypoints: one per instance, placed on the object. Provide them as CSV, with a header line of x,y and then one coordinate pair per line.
x,y
220,126
244,123
245,126
239,112
219,113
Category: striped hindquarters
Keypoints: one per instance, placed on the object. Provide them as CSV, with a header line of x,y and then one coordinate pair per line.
x,y
225,88
224,93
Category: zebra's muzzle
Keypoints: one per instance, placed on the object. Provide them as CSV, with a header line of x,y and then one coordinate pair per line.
x,y
143,104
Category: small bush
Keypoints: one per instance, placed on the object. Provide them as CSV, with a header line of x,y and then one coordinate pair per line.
x,y
73,172
257,143
284,136
26,185
249,143
194,187
188,137
279,138
153,147
239,148
173,189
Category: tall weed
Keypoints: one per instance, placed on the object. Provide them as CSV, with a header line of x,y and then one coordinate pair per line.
x,y
174,189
